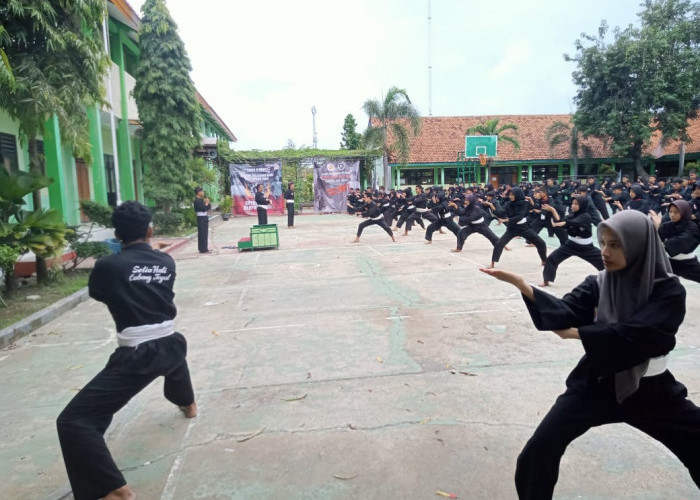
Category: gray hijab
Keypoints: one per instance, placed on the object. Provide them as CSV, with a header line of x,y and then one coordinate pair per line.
x,y
624,292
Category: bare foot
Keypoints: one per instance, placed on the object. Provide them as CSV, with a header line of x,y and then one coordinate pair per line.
x,y
456,250
393,239
508,248
395,228
543,263
405,234
544,283
190,411
442,232
356,240
492,266
123,493
428,242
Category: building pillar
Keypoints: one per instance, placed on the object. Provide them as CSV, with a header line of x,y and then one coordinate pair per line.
x,y
54,166
442,176
519,174
125,158
398,178
529,173
560,172
99,186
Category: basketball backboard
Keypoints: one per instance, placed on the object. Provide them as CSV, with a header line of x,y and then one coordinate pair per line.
x,y
475,145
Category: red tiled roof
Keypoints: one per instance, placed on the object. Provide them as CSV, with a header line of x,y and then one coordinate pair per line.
x,y
442,138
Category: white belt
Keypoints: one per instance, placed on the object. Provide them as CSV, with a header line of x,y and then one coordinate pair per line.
x,y
421,210
202,214
542,217
656,366
478,221
410,207
290,201
448,214
523,220
683,256
581,241
378,217
264,207
135,335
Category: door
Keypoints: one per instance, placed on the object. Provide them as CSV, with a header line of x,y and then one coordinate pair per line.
x,y
83,177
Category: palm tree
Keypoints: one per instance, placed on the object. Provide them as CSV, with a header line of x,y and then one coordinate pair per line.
x,y
6,77
561,132
490,127
396,106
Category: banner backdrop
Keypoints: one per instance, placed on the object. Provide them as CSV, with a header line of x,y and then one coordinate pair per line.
x,y
332,179
244,178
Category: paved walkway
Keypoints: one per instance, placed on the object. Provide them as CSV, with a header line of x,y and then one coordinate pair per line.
x,y
326,370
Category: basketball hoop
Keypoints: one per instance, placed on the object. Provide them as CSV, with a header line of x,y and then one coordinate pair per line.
x,y
483,160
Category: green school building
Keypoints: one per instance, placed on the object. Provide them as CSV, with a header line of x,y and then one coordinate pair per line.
x,y
116,171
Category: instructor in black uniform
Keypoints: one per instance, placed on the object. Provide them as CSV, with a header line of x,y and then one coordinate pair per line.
x,y
136,285
289,204
262,203
201,207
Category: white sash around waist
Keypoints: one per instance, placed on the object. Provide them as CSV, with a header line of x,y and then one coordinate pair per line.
x,y
448,215
378,217
135,335
683,256
410,207
264,207
656,366
581,241
202,214
290,201
421,210
523,220
478,221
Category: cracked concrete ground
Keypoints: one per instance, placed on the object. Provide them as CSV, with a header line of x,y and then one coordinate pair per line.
x,y
326,370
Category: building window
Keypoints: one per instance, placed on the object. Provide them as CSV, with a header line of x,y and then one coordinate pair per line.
x,y
111,180
8,152
540,173
414,177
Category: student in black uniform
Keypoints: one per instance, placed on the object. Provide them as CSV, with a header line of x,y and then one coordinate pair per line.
x,y
420,202
680,236
514,215
289,204
374,216
136,285
472,220
201,207
579,243
263,204
626,318
443,209
637,201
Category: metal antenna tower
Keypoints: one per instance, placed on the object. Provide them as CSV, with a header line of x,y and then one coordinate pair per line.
x,y
430,65
313,114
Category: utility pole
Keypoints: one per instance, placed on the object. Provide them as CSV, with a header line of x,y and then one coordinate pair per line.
x,y
313,115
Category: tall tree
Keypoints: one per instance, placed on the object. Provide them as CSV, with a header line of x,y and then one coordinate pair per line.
x,y
567,133
645,80
168,107
351,139
58,63
389,113
491,127
7,79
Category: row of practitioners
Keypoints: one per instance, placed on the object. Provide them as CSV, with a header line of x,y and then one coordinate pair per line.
x,y
525,217
626,318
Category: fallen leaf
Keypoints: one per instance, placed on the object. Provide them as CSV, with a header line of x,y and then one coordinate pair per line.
x,y
420,341
380,359
445,494
308,375
468,374
214,332
345,478
251,436
453,371
295,398
352,427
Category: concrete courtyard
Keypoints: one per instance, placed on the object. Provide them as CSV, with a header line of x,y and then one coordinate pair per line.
x,y
329,370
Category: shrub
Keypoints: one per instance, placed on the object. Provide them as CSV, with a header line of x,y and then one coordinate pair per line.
x,y
167,223
189,216
97,212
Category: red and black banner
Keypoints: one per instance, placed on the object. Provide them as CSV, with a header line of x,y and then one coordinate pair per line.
x,y
244,178
332,179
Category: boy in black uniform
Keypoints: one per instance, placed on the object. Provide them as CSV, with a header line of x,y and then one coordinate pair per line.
x,y
374,216
201,207
289,204
137,287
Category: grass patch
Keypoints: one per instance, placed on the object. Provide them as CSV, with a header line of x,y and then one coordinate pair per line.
x,y
18,307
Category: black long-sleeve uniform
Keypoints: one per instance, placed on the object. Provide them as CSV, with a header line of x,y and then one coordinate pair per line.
x,y
472,218
137,287
262,203
444,214
516,213
680,240
659,407
201,209
374,215
289,205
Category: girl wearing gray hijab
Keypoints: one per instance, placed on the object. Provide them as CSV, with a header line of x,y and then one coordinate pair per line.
x,y
626,318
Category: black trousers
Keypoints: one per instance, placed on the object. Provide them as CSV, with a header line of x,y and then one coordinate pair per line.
x,y
469,229
434,226
202,233
290,214
524,231
417,217
539,224
403,217
82,424
688,269
262,216
379,222
602,207
665,415
589,253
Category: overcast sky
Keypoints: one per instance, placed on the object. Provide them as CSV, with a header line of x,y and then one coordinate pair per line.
x,y
263,64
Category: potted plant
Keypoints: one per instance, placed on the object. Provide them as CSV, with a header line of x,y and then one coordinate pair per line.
x,y
225,206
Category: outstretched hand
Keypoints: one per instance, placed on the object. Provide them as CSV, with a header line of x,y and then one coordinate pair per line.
x,y
514,279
